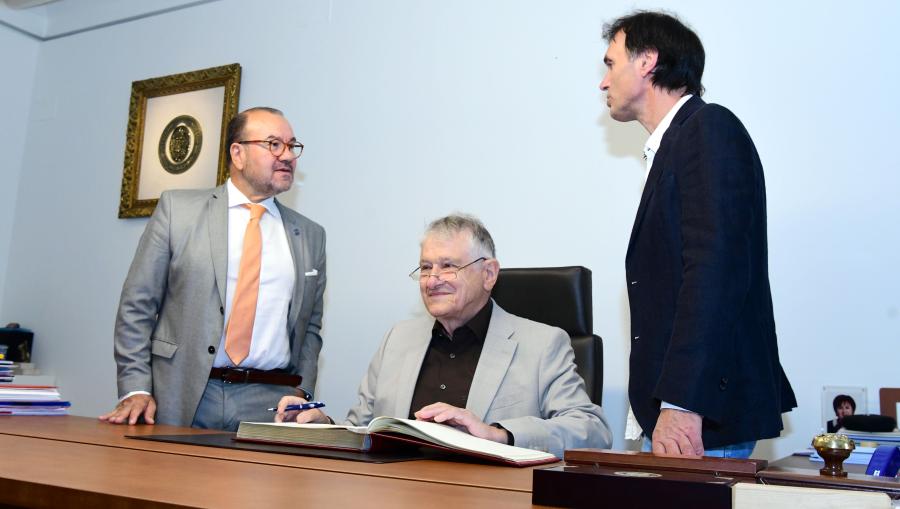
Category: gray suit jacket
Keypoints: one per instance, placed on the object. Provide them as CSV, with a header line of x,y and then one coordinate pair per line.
x,y
171,312
525,381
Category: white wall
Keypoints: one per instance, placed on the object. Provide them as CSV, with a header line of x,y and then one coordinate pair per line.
x,y
19,55
412,109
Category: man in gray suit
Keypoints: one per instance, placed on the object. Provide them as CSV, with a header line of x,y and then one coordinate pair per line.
x,y
474,366
176,303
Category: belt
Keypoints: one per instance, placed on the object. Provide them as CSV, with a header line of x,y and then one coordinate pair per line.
x,y
254,376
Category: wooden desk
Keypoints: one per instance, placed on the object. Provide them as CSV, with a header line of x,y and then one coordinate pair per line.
x,y
79,461
802,462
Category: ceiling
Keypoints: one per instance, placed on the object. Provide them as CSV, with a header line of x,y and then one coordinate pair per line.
x,y
52,19
24,4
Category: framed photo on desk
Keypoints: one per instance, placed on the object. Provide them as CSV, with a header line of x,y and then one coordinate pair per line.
x,y
852,399
176,127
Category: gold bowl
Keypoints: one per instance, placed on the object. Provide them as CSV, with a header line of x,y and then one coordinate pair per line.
x,y
834,448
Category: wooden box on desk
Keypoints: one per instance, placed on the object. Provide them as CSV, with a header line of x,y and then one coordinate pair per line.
x,y
593,477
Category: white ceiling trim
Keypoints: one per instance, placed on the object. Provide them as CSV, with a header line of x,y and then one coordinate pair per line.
x,y
37,20
25,4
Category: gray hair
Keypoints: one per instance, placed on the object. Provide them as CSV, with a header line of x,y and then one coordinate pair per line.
x,y
457,223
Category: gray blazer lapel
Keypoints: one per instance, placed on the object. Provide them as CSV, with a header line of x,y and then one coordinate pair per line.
x,y
496,356
300,254
218,237
409,369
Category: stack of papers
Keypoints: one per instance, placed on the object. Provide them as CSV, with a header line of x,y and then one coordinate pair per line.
x,y
883,438
31,400
6,370
859,456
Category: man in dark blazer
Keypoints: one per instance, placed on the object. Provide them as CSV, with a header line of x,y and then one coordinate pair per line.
x,y
705,374
170,343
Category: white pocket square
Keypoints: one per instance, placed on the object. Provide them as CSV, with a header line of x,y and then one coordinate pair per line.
x,y
311,273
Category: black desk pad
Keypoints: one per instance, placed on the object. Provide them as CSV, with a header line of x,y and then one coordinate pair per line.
x,y
226,441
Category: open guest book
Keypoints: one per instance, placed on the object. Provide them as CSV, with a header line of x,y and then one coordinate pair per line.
x,y
387,433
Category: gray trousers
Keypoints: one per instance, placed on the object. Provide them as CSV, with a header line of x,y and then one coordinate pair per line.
x,y
224,405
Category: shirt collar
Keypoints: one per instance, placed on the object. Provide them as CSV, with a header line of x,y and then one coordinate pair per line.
x,y
655,138
236,198
478,324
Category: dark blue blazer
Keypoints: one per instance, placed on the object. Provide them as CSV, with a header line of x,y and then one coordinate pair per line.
x,y
703,331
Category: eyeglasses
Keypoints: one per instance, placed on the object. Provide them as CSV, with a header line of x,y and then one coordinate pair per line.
x,y
277,147
449,273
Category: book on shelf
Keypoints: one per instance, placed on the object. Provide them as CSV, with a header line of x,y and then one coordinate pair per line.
x,y
388,433
871,437
31,400
14,392
7,370
34,407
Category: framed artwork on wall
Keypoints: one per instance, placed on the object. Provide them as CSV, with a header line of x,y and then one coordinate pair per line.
x,y
176,128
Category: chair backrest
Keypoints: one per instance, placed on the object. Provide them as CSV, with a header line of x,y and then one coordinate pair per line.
x,y
558,296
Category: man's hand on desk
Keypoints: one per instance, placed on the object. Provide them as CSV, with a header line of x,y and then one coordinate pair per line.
x,y
130,409
303,416
463,419
678,433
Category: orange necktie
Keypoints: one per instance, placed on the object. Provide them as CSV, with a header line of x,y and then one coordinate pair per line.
x,y
243,307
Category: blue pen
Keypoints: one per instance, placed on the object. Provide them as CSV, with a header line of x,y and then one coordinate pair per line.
x,y
304,406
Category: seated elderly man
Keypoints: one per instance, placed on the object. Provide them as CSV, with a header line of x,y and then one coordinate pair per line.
x,y
474,366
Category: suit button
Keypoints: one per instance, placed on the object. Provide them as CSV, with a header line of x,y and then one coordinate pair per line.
x,y
443,386
211,349
221,310
723,383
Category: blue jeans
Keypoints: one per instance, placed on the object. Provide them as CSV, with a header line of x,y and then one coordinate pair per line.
x,y
739,451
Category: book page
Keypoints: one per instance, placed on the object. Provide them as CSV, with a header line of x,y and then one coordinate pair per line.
x,y
453,438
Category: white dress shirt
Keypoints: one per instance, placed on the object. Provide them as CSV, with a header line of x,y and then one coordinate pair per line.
x,y
652,145
269,348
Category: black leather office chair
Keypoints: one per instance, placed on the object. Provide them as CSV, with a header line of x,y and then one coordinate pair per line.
x,y
558,296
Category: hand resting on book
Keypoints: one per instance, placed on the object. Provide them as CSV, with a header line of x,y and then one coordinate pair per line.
x,y
461,419
303,416
442,413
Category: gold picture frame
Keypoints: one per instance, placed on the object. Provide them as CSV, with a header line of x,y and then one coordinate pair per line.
x,y
176,128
